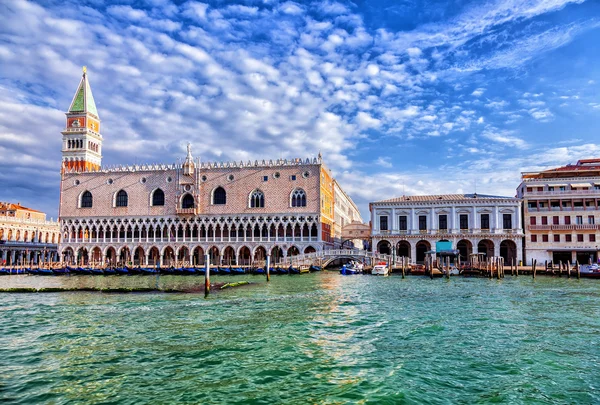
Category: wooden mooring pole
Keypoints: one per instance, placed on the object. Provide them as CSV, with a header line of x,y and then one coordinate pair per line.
x,y
403,266
533,269
568,270
578,272
268,268
207,275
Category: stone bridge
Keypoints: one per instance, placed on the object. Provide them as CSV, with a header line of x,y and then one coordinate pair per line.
x,y
324,257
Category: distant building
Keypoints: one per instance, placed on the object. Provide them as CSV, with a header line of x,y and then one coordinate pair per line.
x,y
561,212
345,213
359,233
410,226
236,212
26,236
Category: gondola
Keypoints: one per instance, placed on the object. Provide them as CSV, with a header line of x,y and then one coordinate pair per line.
x,y
224,271
147,271
200,270
134,270
315,268
237,270
61,272
45,272
4,272
109,272
293,270
214,271
97,272
189,271
281,270
258,270
121,271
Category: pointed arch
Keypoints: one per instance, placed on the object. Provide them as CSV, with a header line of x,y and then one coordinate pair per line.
x,y
187,201
219,196
121,199
85,200
298,198
157,197
256,199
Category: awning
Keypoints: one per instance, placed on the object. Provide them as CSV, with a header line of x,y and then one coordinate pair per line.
x,y
558,185
580,185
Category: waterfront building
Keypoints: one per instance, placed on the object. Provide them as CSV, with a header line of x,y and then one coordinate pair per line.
x,y
561,212
26,236
345,213
410,226
158,214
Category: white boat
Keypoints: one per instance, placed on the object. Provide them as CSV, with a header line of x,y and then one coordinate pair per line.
x,y
380,270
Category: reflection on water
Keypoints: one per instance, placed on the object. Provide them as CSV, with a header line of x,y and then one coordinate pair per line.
x,y
318,338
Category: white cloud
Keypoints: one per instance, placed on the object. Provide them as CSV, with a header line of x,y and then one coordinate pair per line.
x,y
478,92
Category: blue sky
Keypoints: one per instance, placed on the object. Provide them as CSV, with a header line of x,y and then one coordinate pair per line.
x,y
400,97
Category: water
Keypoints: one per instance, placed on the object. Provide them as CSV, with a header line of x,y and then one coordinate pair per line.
x,y
318,338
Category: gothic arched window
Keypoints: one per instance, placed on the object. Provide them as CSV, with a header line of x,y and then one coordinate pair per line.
x,y
219,196
158,197
121,199
257,199
298,198
187,201
86,200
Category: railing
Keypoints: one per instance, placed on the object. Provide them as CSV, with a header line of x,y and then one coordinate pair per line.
x,y
571,227
32,221
561,192
186,211
564,209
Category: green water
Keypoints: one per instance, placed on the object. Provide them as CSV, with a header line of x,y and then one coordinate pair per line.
x,y
318,338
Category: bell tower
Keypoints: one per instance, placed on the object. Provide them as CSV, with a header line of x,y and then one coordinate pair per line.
x,y
82,142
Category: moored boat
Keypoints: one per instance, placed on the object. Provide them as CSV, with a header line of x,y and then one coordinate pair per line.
x,y
380,269
109,272
97,272
315,268
293,270
45,272
589,271
121,270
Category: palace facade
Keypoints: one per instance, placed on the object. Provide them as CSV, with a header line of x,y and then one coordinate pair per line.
x,y
26,236
410,226
237,212
562,212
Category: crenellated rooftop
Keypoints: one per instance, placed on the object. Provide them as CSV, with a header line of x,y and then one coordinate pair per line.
x,y
204,165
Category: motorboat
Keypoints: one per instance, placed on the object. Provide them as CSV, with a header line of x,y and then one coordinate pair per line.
x,y
348,270
589,271
380,269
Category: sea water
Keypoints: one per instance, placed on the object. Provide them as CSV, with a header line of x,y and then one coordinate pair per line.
x,y
318,338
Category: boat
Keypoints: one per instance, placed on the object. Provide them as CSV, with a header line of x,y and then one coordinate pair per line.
x,y
97,272
589,271
200,270
4,272
188,271
281,270
259,270
109,272
134,270
147,270
293,270
224,271
214,271
315,268
237,270
121,270
45,272
380,269
347,270
60,271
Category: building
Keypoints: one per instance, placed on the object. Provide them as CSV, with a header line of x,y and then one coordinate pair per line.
x,y
236,212
561,213
410,226
345,213
26,236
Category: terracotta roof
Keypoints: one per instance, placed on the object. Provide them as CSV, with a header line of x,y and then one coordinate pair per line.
x,y
583,164
440,197
11,206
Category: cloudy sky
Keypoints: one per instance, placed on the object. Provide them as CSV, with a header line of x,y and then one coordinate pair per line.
x,y
400,96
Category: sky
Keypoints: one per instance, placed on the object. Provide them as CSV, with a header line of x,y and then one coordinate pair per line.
x,y
401,97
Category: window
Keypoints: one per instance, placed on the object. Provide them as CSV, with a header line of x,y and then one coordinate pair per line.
x,y
293,177
534,238
464,221
592,237
556,238
544,220
187,201
568,238
422,222
507,221
257,199
550,188
555,220
265,178
562,188
219,196
443,222
86,200
544,238
567,220
383,223
485,221
532,220
299,198
158,197
579,220
403,223
579,237
591,219
121,199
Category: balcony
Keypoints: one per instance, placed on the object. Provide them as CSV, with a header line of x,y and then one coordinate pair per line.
x,y
561,193
186,211
571,227
557,209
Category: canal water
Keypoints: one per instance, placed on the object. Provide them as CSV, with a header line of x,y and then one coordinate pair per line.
x,y
315,338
